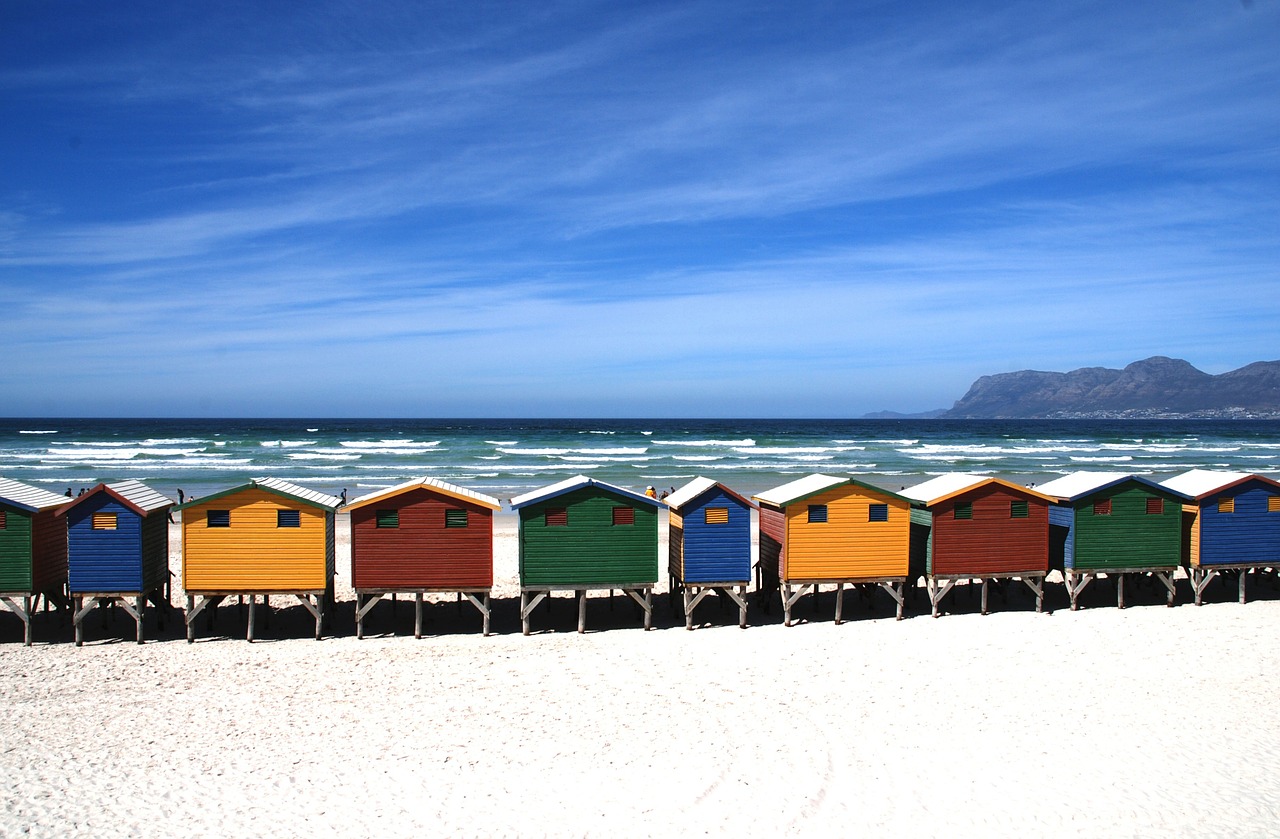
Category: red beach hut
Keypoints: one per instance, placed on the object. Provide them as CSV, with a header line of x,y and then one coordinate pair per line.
x,y
423,536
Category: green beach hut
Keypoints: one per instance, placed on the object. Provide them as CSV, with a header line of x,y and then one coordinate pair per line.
x,y
33,550
1115,524
582,534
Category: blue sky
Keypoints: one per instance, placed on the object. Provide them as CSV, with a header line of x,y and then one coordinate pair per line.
x,y
625,209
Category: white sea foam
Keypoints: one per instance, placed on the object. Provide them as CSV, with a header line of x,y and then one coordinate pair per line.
x,y
37,432
287,444
321,456
727,444
388,444
502,442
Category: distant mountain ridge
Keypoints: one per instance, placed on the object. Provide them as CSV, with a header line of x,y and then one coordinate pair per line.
x,y
1157,387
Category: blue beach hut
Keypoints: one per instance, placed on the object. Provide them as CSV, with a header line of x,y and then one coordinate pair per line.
x,y
1231,523
118,551
709,545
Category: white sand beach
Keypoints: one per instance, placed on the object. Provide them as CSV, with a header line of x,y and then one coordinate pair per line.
x,y
1144,722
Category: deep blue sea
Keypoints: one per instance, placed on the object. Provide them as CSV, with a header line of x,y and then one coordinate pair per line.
x,y
508,457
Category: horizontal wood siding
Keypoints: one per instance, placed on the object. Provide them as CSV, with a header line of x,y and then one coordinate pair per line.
x,y
1249,535
17,550
1191,535
589,550
847,544
1062,526
103,560
921,541
49,562
717,553
155,550
1129,537
991,542
675,546
773,549
422,552
253,554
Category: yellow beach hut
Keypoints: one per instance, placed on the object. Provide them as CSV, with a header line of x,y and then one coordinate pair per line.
x,y
824,530
267,537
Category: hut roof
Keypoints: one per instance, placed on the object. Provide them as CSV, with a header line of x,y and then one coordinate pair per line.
x,y
799,489
696,488
574,483
1199,483
135,495
28,498
1079,485
274,485
943,487
435,484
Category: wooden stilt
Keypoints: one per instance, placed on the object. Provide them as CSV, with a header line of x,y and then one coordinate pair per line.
x,y
252,613
417,614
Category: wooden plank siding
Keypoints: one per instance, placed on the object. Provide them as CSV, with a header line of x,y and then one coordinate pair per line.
x,y
675,545
773,549
1128,537
1248,535
254,554
422,552
49,546
589,549
848,544
17,549
111,560
702,552
991,541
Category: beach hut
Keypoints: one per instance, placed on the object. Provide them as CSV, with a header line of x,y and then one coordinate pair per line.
x,y
709,545
1231,523
33,550
582,534
824,530
975,527
1115,524
118,551
267,537
420,537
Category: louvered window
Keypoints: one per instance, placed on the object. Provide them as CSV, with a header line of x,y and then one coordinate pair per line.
x,y
1155,506
1102,508
218,518
964,510
104,521
389,519
818,513
4,520
717,515
624,515
1273,503
455,518
878,512
1019,510
288,518
1226,505
558,517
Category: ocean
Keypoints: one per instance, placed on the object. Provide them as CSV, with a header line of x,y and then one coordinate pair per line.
x,y
507,457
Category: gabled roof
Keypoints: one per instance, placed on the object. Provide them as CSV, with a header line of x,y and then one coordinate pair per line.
x,y
799,489
29,498
807,487
1199,483
433,484
1079,485
944,487
313,497
569,485
698,487
135,495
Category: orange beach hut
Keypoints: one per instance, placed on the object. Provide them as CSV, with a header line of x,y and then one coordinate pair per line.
x,y
267,537
824,530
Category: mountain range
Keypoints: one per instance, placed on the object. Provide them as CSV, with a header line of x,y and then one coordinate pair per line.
x,y
1157,388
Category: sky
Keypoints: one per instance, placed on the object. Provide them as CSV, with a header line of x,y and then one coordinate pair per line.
x,y
605,209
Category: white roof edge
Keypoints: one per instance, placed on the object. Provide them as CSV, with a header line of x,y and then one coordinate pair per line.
x,y
943,485
689,491
25,495
1079,483
799,488
1198,482
315,496
429,483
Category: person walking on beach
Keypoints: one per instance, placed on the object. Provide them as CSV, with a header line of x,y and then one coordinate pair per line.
x,y
650,492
